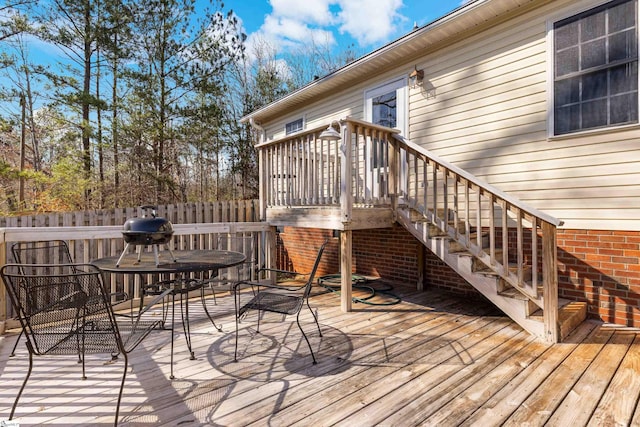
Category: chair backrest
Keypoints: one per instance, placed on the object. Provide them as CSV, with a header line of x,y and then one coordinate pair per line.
x,y
245,244
312,275
41,252
63,308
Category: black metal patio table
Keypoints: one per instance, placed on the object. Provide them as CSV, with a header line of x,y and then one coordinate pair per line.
x,y
179,266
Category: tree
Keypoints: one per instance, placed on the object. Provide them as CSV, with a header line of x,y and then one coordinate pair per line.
x,y
14,22
78,28
179,57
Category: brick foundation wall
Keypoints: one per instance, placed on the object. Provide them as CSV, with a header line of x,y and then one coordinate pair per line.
x,y
297,249
390,253
601,268
439,275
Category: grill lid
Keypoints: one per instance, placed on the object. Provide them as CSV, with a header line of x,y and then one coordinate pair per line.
x,y
149,229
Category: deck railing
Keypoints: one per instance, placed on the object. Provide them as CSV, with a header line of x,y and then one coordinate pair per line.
x,y
306,170
371,166
87,243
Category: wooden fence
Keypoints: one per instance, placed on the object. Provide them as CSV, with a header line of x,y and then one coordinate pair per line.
x,y
92,235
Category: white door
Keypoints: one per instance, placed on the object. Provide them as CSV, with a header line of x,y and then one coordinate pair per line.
x,y
385,105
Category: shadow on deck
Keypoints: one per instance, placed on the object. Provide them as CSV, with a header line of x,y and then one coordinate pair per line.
x,y
431,359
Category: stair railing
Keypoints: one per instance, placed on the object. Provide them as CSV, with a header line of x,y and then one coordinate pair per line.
x,y
510,238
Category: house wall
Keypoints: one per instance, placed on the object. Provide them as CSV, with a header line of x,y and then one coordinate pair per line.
x,y
391,253
297,249
484,108
600,267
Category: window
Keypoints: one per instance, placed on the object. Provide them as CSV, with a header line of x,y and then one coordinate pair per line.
x,y
596,68
384,109
385,105
293,126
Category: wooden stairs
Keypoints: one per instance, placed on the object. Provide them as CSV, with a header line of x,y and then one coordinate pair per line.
x,y
522,308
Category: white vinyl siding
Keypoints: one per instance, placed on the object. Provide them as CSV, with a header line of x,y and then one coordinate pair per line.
x,y
487,113
485,106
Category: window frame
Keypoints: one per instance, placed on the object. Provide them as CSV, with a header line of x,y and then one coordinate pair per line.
x,y
551,61
398,84
299,119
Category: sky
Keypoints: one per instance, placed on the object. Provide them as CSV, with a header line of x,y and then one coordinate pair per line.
x,y
364,24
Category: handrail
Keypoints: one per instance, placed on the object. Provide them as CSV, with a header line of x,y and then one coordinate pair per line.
x,y
506,236
471,178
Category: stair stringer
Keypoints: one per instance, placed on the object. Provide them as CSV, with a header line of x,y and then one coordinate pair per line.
x,y
516,309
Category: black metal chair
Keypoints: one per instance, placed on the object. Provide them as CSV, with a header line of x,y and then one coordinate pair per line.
x,y
282,298
64,309
46,252
40,252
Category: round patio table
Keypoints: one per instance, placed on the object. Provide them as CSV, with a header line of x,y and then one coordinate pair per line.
x,y
179,266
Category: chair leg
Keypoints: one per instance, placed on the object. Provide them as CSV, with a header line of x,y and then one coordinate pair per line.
x,y
173,322
204,305
13,351
81,356
314,317
236,303
124,376
305,338
24,384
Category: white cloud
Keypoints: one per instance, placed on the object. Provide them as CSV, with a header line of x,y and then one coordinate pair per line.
x,y
307,11
294,23
370,21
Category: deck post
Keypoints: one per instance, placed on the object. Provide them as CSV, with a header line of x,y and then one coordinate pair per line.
x,y
550,282
345,270
346,209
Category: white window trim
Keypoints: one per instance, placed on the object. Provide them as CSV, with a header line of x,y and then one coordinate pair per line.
x,y
563,14
304,124
398,84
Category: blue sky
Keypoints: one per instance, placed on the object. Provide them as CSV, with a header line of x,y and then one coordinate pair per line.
x,y
367,24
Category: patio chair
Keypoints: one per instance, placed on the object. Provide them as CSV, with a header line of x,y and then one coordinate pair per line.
x,y
42,252
280,297
64,309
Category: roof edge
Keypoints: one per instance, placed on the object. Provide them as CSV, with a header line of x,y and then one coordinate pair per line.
x,y
322,81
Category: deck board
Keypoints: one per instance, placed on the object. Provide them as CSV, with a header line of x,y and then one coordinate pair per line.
x,y
433,359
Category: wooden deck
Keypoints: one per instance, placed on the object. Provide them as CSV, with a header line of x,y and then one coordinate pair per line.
x,y
429,360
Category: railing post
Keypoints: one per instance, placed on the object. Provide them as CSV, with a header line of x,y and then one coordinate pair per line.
x,y
394,169
550,282
346,206
262,184
271,250
346,177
